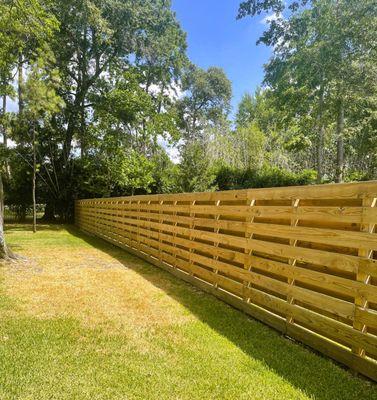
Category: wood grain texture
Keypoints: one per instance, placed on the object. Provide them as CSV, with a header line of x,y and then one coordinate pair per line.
x,y
300,259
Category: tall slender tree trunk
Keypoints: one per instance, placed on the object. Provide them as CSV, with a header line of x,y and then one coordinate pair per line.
x,y
3,112
4,252
321,136
83,141
34,181
5,134
3,246
340,143
20,84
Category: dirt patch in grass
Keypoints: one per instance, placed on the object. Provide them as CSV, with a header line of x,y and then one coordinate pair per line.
x,y
87,284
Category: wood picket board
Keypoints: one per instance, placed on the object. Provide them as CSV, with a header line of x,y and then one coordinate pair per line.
x,y
317,235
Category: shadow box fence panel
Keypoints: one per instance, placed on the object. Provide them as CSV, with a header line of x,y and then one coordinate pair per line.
x,y
300,259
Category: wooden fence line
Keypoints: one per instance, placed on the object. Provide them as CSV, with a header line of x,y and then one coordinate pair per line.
x,y
300,259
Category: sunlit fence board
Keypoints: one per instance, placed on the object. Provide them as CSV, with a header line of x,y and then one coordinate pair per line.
x,y
300,259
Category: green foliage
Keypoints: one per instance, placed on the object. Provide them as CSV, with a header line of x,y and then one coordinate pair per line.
x,y
196,175
131,172
17,188
26,26
127,103
246,110
250,146
135,113
322,76
268,176
207,100
96,84
166,174
40,88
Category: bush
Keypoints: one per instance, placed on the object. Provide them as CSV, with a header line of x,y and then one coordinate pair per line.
x,y
230,178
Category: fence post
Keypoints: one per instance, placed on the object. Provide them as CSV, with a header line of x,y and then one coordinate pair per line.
x,y
175,236
216,245
247,264
129,206
292,261
192,227
94,204
138,226
360,301
161,203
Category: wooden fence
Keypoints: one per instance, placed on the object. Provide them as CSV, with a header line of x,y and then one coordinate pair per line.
x,y
300,259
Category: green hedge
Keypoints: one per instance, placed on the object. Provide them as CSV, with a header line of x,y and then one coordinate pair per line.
x,y
230,178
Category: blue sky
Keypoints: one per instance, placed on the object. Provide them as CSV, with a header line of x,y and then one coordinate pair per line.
x,y
216,38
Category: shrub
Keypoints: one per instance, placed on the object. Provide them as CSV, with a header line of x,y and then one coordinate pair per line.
x,y
230,178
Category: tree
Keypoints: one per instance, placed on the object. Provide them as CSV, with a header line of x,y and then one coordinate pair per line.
x,y
196,174
244,147
40,101
264,114
166,174
206,101
25,26
319,48
246,110
98,41
130,123
250,146
202,112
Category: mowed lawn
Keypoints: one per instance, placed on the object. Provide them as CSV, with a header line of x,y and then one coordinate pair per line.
x,y
81,319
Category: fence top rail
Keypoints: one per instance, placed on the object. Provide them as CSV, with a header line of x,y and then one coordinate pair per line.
x,y
355,190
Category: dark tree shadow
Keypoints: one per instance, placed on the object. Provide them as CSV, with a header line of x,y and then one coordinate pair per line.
x,y
318,376
10,227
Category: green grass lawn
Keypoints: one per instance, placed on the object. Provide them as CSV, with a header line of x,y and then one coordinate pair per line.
x,y
81,319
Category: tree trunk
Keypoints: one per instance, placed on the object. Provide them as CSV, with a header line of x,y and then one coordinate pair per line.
x,y
3,111
321,140
321,137
5,253
5,136
20,85
83,141
34,181
340,143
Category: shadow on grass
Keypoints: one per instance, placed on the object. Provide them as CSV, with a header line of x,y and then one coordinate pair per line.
x,y
317,376
10,227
